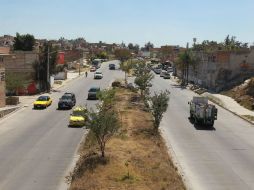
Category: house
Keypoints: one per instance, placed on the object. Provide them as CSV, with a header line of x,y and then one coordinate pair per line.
x,y
22,63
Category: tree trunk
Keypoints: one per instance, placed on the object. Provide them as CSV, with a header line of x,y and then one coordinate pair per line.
x,y
125,76
102,149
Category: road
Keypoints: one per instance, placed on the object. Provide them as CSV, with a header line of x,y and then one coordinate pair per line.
x,y
37,148
213,158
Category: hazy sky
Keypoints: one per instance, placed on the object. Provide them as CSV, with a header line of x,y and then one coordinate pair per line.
x,y
138,21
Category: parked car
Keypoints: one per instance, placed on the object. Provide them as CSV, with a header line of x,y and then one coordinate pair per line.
x,y
112,66
170,69
93,93
167,75
98,75
78,117
42,102
92,69
163,72
68,100
157,70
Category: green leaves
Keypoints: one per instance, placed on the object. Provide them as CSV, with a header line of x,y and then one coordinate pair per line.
x,y
143,78
159,105
24,42
104,123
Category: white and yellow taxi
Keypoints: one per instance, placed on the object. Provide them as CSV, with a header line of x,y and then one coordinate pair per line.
x,y
78,117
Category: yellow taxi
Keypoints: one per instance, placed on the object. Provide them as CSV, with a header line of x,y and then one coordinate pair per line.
x,y
42,102
78,117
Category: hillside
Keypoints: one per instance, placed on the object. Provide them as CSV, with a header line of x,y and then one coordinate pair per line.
x,y
243,94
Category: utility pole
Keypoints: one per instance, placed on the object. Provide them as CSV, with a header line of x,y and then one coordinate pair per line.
x,y
48,79
187,73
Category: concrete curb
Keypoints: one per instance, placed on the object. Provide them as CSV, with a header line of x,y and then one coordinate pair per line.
x,y
11,113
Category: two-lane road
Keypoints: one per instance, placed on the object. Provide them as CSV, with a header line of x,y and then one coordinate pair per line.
x,y
36,146
218,158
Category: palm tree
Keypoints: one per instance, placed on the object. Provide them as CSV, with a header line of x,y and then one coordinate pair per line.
x,y
184,61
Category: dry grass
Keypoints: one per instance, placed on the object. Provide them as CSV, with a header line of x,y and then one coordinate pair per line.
x,y
149,164
249,117
243,94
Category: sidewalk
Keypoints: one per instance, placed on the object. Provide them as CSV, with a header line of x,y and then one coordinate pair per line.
x,y
227,103
25,101
231,105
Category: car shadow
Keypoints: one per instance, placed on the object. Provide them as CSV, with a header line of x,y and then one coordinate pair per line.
x,y
77,127
202,127
63,109
39,108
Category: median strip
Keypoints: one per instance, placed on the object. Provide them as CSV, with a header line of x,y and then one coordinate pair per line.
x,y
136,156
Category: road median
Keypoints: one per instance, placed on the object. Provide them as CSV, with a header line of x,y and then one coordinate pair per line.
x,y
136,157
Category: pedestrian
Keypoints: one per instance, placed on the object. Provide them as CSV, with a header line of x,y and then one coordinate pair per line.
x,y
86,73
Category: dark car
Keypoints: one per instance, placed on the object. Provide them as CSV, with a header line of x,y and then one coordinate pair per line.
x,y
92,93
112,66
157,70
68,100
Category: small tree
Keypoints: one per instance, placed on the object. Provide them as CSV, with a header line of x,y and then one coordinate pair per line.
x,y
126,67
14,81
106,97
159,105
104,124
143,78
122,54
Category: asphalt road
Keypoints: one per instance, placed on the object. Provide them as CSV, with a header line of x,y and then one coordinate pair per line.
x,y
37,149
211,158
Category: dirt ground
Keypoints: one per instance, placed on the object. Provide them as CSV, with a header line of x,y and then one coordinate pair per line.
x,y
137,157
243,94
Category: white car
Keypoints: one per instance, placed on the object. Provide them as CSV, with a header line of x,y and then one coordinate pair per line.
x,y
163,72
98,75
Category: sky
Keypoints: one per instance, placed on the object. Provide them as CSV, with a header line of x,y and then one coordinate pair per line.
x,y
172,22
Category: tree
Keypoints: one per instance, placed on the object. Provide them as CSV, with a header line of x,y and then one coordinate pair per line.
x,y
122,54
184,60
126,67
107,98
102,55
14,82
143,78
104,123
136,48
24,42
130,46
41,67
159,105
148,46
